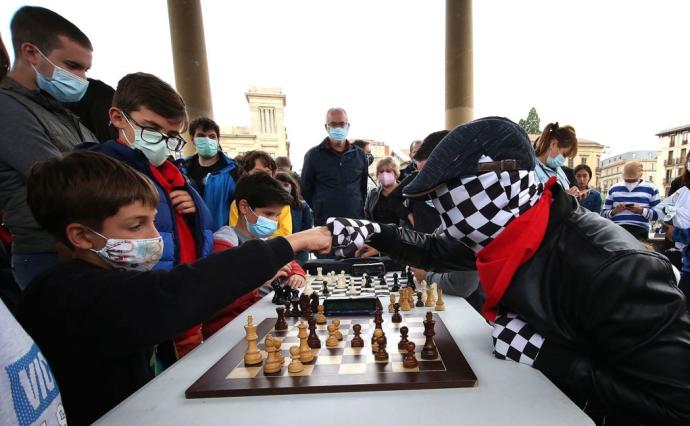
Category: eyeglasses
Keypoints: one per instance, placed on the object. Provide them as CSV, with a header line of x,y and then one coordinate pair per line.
x,y
338,124
153,136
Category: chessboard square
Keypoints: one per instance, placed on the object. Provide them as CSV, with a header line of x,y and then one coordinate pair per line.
x,y
331,351
244,373
328,359
355,359
519,343
398,368
437,365
345,322
380,367
308,369
279,333
419,342
415,329
326,370
360,368
501,347
353,351
414,319
292,332
286,346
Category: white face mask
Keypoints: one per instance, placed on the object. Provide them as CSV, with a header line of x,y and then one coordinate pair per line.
x,y
631,185
131,254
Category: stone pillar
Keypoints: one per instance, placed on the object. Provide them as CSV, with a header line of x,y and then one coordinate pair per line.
x,y
459,72
189,58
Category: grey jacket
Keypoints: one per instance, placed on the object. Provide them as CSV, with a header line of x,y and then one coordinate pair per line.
x,y
35,127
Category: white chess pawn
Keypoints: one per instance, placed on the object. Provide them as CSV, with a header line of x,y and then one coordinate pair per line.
x,y
319,273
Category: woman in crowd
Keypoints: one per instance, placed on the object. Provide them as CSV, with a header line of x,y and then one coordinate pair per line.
x,y
300,210
384,204
552,148
588,197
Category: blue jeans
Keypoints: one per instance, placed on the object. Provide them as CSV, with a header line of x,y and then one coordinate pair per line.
x,y
26,267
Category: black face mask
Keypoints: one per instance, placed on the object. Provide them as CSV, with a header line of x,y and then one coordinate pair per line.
x,y
370,158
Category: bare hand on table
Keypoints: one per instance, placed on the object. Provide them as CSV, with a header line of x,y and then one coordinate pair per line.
x,y
367,251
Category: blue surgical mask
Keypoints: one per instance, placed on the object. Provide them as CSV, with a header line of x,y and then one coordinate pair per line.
x,y
556,162
263,228
156,153
338,133
206,147
62,85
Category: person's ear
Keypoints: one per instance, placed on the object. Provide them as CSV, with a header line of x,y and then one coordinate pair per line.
x,y
243,207
117,118
79,236
29,53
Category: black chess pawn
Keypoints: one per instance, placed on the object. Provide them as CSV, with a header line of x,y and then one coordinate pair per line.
x,y
410,280
314,297
409,359
313,340
295,312
281,324
396,283
396,317
420,302
357,341
381,354
403,338
324,290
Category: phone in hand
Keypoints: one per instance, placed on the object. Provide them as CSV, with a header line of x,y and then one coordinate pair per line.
x,y
629,205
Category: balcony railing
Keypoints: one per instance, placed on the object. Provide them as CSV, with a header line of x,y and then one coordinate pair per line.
x,y
672,162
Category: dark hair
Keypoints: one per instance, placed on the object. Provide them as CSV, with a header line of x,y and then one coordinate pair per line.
x,y
250,158
564,135
583,167
429,144
84,187
141,89
41,27
295,191
283,162
92,110
261,190
685,177
360,143
4,60
204,124
414,142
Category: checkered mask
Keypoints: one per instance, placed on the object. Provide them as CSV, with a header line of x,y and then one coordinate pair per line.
x,y
475,209
350,234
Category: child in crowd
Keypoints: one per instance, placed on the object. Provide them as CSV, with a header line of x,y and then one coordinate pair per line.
x,y
97,316
260,198
149,116
260,161
299,209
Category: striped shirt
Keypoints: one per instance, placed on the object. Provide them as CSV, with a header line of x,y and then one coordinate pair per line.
x,y
644,194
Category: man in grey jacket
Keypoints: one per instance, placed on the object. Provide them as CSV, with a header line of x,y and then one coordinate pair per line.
x,y
51,59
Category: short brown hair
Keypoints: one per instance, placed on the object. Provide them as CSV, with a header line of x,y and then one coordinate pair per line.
x,y
41,27
142,89
250,158
283,162
84,187
204,124
295,191
390,162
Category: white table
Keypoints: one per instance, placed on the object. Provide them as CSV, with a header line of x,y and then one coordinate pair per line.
x,y
507,393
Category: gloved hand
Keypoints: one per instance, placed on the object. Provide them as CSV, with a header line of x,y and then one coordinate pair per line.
x,y
515,339
350,234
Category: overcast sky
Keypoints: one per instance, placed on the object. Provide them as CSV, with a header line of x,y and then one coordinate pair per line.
x,y
616,70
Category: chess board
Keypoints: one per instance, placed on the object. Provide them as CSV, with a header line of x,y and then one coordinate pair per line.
x,y
343,368
378,288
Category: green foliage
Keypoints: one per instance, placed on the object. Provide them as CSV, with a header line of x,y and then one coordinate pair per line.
x,y
531,124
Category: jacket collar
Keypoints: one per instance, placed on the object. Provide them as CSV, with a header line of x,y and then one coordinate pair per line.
x,y
132,157
324,146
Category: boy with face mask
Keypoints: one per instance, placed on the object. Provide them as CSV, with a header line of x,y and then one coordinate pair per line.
x,y
97,316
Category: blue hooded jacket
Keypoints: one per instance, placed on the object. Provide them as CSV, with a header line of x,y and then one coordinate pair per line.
x,y
219,189
165,217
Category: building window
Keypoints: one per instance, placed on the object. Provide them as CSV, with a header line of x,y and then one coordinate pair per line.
x,y
570,163
685,138
583,159
682,154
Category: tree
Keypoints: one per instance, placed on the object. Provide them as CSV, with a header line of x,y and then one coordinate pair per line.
x,y
531,124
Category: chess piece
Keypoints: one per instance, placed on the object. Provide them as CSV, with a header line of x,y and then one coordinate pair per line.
x,y
320,317
306,313
396,285
305,354
287,309
409,359
423,290
410,297
296,365
378,332
319,273
357,341
420,302
353,289
332,341
338,334
403,338
281,324
367,281
295,312
252,356
429,298
391,302
313,340
308,290
324,289
439,302
279,353
304,303
381,354
307,277
314,302
273,363
429,350
405,300
396,317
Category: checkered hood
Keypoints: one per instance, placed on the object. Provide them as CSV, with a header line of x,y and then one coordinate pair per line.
x,y
350,234
475,209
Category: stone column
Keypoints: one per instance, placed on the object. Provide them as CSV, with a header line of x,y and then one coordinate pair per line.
x,y
459,73
189,58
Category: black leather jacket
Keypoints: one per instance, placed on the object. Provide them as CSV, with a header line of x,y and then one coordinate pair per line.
x,y
616,325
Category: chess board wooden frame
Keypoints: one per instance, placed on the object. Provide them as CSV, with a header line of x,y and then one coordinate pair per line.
x,y
456,373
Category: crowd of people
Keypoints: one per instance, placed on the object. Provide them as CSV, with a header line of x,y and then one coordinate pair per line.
x,y
125,255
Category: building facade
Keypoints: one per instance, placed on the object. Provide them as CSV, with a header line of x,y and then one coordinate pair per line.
x,y
589,153
673,148
266,131
612,168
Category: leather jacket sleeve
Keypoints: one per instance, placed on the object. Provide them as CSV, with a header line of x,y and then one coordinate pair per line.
x,y
634,358
435,252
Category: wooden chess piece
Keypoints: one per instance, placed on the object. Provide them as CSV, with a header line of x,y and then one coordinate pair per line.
x,y
320,317
287,309
295,312
410,297
314,304
403,338
332,341
273,363
319,273
252,356
304,303
279,352
305,354
308,290
381,354
379,337
357,341
429,298
313,340
439,302
281,324
404,301
420,302
324,289
391,303
296,365
396,317
429,350
338,334
307,313
409,359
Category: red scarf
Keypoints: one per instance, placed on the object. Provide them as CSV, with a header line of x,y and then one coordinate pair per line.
x,y
513,247
170,178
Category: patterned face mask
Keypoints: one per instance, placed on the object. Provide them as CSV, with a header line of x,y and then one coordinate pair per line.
x,y
131,254
475,209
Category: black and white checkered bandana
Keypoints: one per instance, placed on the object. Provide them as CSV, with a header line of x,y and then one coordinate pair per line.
x,y
475,209
350,234
515,339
